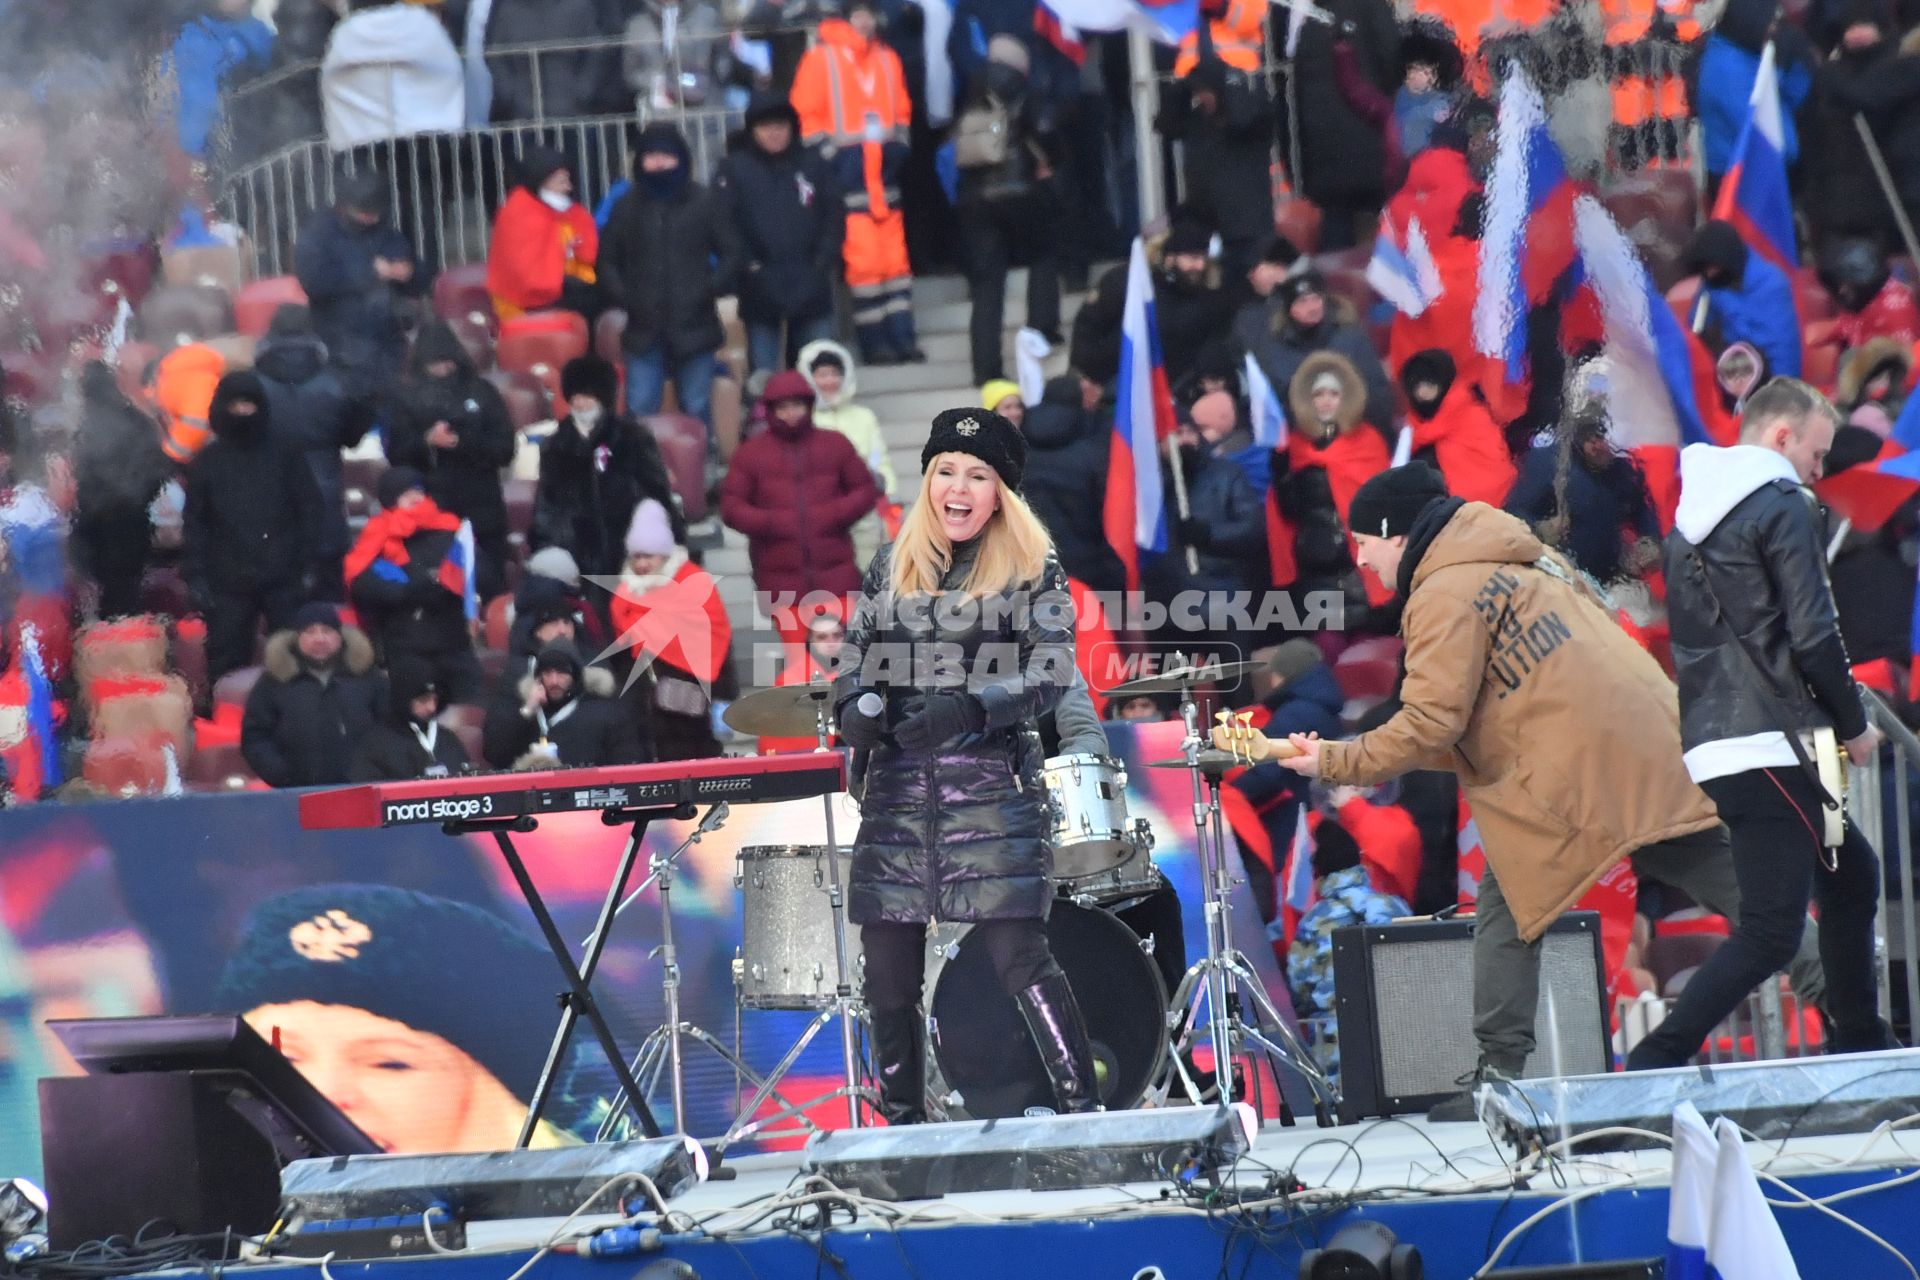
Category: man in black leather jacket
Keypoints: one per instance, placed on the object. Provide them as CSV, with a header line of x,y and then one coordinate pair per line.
x,y
1757,653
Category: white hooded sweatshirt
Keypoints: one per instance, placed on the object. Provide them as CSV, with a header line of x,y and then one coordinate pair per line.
x,y
1713,481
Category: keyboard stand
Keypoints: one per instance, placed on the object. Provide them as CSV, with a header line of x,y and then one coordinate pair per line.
x,y
577,1001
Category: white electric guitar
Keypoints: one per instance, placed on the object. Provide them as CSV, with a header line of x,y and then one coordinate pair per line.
x,y
1830,758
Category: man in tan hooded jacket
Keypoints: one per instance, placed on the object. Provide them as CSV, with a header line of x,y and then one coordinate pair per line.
x,y
1565,735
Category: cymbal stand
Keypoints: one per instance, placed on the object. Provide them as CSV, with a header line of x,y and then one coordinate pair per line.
x,y
1224,979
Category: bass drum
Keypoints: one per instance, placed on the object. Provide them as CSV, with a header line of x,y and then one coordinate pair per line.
x,y
984,1064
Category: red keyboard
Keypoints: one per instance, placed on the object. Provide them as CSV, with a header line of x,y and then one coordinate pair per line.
x,y
794,775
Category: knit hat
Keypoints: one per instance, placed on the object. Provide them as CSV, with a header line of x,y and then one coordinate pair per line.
x,y
1717,244
1299,284
1294,659
994,390
395,483
649,533
558,656
407,956
979,433
556,564
590,375
291,320
407,678
541,600
1387,505
537,164
1432,365
1187,237
316,613
363,191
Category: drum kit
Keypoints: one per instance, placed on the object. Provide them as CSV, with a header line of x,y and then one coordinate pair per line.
x,y
797,952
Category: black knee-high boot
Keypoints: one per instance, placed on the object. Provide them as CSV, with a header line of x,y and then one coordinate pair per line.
x,y
900,1061
1053,1017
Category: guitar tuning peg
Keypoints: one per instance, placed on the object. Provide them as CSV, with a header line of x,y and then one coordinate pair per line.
x,y
1246,720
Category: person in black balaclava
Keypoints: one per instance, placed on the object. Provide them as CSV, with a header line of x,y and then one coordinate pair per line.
x,y
408,742
450,424
251,527
1193,307
1748,298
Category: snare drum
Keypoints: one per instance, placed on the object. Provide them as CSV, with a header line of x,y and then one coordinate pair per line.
x,y
1133,877
1088,797
786,929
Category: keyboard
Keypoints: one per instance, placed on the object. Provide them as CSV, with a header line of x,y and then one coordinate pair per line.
x,y
793,775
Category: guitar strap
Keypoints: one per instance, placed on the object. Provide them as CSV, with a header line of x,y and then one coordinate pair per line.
x,y
1781,714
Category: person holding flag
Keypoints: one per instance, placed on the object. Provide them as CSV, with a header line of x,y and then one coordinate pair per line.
x,y
1565,735
410,573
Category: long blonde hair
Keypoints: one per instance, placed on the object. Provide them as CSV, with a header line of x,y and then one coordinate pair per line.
x,y
1013,546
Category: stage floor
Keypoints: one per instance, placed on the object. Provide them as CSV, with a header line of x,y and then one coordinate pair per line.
x,y
1448,1189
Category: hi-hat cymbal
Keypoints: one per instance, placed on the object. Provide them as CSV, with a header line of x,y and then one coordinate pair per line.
x,y
784,711
1179,679
1212,760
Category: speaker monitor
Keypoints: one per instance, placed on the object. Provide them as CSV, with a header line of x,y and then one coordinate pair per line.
x,y
1403,999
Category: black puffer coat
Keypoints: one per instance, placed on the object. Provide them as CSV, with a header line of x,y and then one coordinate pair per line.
x,y
665,259
786,212
1066,483
314,416
466,478
961,834
301,731
589,486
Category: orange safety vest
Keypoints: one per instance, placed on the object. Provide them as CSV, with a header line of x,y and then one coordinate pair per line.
x,y
852,92
1239,37
183,385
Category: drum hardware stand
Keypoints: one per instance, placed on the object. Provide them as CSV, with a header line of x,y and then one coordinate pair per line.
x,y
1224,975
577,1001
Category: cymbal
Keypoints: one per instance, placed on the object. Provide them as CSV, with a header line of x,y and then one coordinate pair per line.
x,y
784,711
1212,760
1179,679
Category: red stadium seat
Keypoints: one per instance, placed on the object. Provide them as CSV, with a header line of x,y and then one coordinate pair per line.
x,y
220,768
1298,219
519,497
540,343
683,445
234,686
494,622
461,292
254,307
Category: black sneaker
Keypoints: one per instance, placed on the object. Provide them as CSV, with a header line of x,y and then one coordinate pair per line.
x,y
1461,1107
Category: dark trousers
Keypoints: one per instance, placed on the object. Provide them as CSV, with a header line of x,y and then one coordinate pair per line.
x,y
233,618
991,231
896,959
1775,816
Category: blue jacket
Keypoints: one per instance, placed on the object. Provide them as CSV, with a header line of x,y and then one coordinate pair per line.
x,y
1760,311
1726,83
207,51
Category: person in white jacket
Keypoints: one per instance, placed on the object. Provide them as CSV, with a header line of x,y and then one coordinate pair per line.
x,y
828,366
390,71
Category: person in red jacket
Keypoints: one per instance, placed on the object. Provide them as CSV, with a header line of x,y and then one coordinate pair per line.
x,y
1872,302
544,243
668,612
796,491
1453,427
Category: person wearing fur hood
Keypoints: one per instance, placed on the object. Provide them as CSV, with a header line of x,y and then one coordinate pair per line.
x,y
1329,454
1872,384
317,698
562,716
1303,317
668,613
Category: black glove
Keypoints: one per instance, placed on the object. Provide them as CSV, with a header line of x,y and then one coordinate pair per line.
x,y
946,716
1194,532
859,730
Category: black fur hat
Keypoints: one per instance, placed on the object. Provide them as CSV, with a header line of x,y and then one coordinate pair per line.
x,y
982,434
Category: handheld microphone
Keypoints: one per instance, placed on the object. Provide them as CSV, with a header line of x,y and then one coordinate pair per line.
x,y
869,704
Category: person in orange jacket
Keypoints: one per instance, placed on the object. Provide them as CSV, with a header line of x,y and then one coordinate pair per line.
x,y
851,95
1233,32
1453,428
544,243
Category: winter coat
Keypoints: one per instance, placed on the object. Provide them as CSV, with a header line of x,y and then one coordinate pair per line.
x,y
675,622
1033,144
1565,734
961,834
358,315
466,478
1227,155
1891,313
390,753
598,732
589,486
1066,483
1191,318
854,421
786,213
409,606
1342,159
795,494
1759,538
1879,83
1603,510
1266,332
301,731
252,517
207,51
1225,497
871,82
1760,310
1315,478
532,249
118,468
666,261
314,415
1467,445
391,71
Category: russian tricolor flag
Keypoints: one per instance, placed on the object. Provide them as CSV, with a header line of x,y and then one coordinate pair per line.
x,y
1719,1224
1753,194
1404,273
1263,407
457,570
1297,889
1058,32
40,727
1529,243
1135,516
